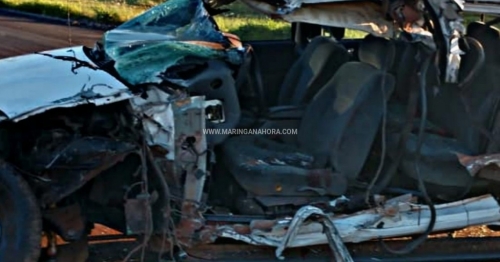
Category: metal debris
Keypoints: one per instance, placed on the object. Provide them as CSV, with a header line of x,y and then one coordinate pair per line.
x,y
474,164
400,218
334,239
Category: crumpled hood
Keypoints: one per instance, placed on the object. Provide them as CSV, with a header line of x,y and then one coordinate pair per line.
x,y
34,83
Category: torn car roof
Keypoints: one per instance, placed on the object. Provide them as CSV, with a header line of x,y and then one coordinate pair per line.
x,y
364,16
174,33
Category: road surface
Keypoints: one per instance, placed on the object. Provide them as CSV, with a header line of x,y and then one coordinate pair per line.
x,y
19,35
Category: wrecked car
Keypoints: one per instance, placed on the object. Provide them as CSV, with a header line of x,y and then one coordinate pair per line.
x,y
397,132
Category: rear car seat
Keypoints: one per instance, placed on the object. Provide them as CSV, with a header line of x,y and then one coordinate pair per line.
x,y
446,108
439,161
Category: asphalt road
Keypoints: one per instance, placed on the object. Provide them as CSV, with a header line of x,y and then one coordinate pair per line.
x,y
19,35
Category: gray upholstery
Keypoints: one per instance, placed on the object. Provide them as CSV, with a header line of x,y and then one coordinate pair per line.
x,y
489,37
369,52
405,70
458,130
334,137
438,160
446,108
319,62
354,103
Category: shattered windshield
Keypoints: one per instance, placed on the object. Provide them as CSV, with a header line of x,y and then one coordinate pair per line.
x,y
174,33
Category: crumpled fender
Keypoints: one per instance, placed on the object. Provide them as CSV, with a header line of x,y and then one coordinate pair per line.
x,y
34,83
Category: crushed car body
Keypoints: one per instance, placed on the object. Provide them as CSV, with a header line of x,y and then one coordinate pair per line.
x,y
64,77
396,137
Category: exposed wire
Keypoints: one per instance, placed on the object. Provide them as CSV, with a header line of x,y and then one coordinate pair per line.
x,y
167,197
383,133
405,133
421,185
148,226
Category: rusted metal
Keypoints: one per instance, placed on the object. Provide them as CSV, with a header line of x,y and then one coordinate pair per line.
x,y
490,173
191,222
483,166
406,219
67,221
138,214
263,225
52,245
190,149
208,234
474,164
97,154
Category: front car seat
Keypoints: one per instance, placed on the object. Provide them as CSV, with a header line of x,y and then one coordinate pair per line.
x,y
322,57
335,134
318,63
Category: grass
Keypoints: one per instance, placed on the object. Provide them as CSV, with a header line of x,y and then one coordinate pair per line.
x,y
242,21
100,11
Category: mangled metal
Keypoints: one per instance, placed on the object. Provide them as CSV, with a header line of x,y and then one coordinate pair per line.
x,y
407,16
482,6
139,149
397,218
365,16
61,82
157,119
452,25
173,33
483,166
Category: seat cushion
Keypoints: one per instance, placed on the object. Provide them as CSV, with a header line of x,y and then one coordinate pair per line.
x,y
438,164
264,167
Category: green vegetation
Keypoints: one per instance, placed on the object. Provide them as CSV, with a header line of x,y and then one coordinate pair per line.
x,y
242,21
103,12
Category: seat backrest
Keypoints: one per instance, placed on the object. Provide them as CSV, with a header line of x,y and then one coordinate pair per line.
x,y
320,60
489,37
340,123
465,113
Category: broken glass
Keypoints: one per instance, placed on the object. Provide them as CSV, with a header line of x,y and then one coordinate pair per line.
x,y
171,34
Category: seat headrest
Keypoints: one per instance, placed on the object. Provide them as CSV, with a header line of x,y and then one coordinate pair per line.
x,y
377,51
317,42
